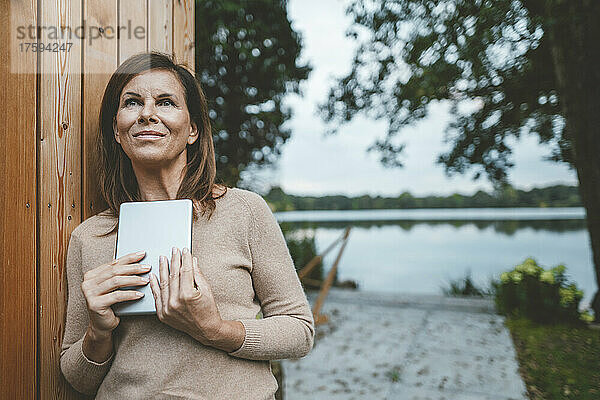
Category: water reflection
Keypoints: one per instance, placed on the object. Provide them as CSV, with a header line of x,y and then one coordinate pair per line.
x,y
506,227
422,256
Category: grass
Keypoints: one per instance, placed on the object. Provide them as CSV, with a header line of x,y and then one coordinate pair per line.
x,y
393,374
464,287
557,361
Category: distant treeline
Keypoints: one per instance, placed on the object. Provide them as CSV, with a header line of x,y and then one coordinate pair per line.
x,y
551,196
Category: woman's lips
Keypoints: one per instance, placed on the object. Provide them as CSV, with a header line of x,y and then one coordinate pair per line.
x,y
149,135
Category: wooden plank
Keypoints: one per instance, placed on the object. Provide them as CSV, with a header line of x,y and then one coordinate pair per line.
x,y
133,25
183,32
18,320
59,200
160,25
42,217
99,62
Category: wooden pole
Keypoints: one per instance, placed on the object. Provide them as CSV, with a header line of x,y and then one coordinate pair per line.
x,y
328,282
315,261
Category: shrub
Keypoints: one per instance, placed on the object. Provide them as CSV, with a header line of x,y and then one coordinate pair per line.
x,y
464,287
543,296
302,247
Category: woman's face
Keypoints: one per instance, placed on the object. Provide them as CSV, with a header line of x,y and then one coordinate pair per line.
x,y
153,124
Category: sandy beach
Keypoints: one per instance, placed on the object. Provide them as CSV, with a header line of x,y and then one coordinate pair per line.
x,y
390,346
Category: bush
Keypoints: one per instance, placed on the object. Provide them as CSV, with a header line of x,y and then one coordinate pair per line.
x,y
302,247
543,296
464,287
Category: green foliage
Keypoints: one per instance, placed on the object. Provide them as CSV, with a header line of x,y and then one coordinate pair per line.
x,y
302,248
506,67
557,361
541,295
246,54
279,200
552,196
464,287
393,374
490,59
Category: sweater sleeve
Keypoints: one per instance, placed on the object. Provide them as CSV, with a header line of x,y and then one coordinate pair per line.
x,y
287,327
83,374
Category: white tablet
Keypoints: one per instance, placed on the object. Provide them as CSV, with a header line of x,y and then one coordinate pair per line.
x,y
154,227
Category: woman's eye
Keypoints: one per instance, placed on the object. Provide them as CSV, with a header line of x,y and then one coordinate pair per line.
x,y
167,102
129,102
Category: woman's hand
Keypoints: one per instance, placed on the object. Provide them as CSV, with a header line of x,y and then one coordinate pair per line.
x,y
99,286
181,305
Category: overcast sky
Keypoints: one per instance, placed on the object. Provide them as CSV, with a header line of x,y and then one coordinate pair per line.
x,y
314,164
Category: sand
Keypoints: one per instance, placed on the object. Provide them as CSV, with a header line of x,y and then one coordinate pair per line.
x,y
390,346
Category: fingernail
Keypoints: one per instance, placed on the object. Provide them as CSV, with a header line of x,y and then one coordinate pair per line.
x,y
185,250
146,266
139,253
174,250
139,294
145,279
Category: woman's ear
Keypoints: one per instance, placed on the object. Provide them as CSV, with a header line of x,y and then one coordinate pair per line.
x,y
115,131
193,133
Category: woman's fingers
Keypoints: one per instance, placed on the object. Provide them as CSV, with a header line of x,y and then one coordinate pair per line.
x,y
154,286
186,274
120,281
121,266
198,277
98,281
114,270
174,273
163,268
107,300
176,285
128,258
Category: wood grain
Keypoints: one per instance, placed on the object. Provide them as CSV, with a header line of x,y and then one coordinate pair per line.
x,y
18,254
47,178
59,198
99,62
133,14
160,26
183,32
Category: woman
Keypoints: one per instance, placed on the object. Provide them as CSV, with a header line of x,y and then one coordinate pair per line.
x,y
206,340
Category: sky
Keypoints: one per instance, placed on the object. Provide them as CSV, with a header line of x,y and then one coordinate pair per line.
x,y
312,163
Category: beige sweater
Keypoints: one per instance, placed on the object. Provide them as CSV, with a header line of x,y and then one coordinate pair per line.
x,y
242,252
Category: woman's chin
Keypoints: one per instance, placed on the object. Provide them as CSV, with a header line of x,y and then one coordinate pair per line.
x,y
153,160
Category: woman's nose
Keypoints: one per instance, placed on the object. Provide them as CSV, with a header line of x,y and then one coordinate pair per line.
x,y
148,113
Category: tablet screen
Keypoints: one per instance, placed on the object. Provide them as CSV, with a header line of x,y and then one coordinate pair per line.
x,y
154,227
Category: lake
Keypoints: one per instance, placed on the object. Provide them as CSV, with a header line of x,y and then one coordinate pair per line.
x,y
421,250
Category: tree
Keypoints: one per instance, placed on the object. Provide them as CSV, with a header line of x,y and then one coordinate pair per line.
x,y
246,54
507,67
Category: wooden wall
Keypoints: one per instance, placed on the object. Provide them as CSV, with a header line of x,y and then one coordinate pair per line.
x,y
48,186
18,213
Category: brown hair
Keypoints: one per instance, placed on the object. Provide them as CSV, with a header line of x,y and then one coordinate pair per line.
x,y
118,183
